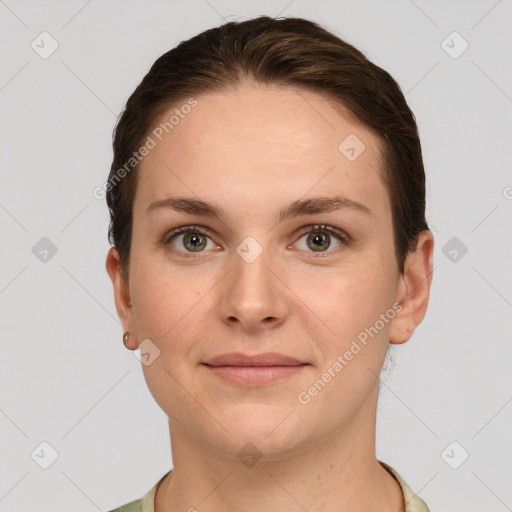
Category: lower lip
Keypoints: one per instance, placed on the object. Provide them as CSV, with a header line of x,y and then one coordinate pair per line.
x,y
255,375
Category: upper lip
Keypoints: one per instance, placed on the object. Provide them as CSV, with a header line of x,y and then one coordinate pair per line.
x,y
264,359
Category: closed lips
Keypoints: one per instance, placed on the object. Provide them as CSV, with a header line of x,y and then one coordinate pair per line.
x,y
264,359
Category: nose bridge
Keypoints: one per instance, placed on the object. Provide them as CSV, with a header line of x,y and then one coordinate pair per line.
x,y
254,294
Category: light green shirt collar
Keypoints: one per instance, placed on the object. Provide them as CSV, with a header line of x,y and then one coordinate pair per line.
x,y
413,503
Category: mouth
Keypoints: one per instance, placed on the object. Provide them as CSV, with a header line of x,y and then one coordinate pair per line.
x,y
254,370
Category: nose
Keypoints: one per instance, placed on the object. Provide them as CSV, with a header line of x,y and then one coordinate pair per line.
x,y
253,297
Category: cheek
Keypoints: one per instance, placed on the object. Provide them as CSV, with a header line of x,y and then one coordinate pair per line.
x,y
167,302
343,311
168,313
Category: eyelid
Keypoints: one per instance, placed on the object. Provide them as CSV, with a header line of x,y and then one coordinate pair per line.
x,y
185,229
326,227
171,235
344,238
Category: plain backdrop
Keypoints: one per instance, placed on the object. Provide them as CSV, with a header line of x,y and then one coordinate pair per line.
x,y
73,398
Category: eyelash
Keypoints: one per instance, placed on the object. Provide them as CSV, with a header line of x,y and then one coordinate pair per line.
x,y
312,228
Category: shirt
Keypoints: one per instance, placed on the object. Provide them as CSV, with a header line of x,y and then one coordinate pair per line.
x,y
413,503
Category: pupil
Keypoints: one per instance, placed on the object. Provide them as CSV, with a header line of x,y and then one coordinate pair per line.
x,y
317,240
195,241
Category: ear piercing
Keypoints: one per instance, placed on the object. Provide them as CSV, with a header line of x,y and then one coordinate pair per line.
x,y
126,335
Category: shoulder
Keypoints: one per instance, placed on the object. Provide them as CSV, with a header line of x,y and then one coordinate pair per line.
x,y
413,503
144,504
133,506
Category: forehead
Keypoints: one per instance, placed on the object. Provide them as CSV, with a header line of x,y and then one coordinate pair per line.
x,y
262,142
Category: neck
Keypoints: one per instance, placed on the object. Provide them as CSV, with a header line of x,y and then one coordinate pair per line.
x,y
336,473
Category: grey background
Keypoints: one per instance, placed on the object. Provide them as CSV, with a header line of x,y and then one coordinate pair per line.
x,y
66,378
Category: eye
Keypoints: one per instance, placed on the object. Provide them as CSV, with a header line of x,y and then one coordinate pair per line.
x,y
193,239
319,239
187,240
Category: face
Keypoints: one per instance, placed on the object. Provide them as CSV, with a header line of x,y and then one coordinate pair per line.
x,y
269,275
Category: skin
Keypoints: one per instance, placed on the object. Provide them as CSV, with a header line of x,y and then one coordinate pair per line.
x,y
254,151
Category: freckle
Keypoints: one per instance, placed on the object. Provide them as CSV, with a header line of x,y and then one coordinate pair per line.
x,y
332,465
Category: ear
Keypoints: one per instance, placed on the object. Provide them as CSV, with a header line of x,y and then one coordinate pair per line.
x,y
414,289
121,296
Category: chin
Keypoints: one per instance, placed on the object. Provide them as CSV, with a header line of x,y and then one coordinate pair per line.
x,y
273,431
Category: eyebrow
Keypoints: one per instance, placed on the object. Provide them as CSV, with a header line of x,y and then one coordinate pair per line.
x,y
297,208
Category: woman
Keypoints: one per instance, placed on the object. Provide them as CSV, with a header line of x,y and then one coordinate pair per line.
x,y
267,201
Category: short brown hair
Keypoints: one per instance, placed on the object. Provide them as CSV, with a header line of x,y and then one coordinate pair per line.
x,y
283,52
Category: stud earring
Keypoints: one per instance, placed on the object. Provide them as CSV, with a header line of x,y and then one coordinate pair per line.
x,y
126,335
